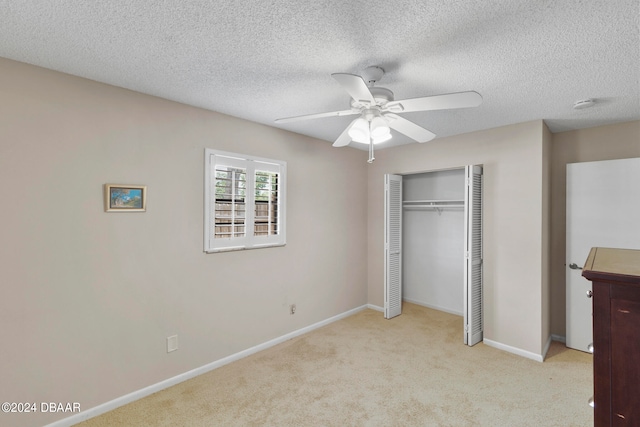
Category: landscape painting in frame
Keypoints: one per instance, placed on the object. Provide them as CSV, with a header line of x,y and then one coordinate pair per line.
x,y
125,198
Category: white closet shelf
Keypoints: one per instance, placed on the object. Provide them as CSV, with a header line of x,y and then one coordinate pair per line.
x,y
432,204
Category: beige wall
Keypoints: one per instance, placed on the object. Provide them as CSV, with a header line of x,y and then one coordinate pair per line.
x,y
88,298
545,337
514,223
617,141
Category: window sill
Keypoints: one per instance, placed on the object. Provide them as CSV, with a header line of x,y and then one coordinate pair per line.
x,y
244,248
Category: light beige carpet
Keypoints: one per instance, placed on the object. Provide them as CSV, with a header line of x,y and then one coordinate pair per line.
x,y
413,370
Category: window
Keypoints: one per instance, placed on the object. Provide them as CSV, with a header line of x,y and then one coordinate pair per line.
x,y
244,202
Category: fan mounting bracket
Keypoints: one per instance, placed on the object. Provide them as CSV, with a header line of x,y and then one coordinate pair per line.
x,y
372,74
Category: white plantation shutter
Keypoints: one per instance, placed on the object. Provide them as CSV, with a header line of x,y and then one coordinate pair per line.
x,y
268,198
266,203
244,202
392,246
230,185
473,306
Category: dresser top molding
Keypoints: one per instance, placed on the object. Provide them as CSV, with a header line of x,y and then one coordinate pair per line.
x,y
611,264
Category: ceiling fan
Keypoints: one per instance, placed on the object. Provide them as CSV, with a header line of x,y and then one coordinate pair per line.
x,y
378,110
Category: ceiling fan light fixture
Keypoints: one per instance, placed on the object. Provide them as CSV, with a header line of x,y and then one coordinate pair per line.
x,y
381,139
359,132
380,129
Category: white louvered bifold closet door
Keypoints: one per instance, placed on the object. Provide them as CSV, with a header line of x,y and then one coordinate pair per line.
x,y
392,246
473,317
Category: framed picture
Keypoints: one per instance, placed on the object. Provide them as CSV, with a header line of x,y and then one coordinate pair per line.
x,y
125,198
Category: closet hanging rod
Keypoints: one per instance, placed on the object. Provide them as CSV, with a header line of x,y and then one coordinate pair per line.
x,y
406,202
430,206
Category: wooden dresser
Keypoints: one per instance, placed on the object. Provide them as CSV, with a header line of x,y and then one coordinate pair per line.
x,y
615,277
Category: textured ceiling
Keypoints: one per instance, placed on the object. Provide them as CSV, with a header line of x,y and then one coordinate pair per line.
x,y
263,60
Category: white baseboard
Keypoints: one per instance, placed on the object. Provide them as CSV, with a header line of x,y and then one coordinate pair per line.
x,y
546,349
514,350
139,394
559,338
434,307
375,307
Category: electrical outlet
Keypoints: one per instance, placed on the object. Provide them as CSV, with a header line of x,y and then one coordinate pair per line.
x,y
172,343
292,309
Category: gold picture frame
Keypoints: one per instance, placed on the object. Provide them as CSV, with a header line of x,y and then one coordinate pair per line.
x,y
125,198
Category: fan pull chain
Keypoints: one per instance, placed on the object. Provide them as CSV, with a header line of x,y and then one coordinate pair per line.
x,y
371,158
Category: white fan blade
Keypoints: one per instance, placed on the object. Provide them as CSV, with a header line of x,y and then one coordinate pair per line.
x,y
408,128
344,138
437,102
355,86
317,116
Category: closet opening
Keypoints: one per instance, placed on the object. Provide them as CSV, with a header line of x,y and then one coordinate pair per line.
x,y
433,244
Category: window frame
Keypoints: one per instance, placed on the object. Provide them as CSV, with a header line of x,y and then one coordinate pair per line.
x,y
251,165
